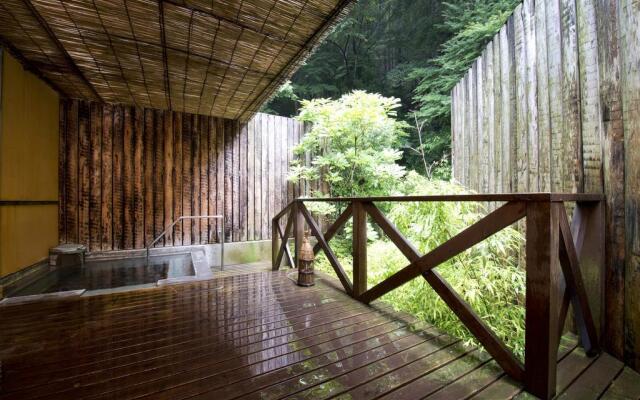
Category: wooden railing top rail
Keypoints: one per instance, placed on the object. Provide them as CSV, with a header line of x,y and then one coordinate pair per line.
x,y
556,252
527,197
284,210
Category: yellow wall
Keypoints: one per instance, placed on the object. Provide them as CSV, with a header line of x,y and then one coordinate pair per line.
x,y
29,115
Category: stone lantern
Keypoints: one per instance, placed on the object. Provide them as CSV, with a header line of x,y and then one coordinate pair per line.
x,y
306,258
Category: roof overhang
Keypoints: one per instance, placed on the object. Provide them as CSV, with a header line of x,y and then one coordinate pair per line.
x,y
220,58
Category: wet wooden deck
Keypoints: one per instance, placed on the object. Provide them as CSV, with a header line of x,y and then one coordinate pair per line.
x,y
258,336
241,269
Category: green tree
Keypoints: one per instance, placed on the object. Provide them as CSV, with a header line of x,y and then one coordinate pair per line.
x,y
353,144
285,102
373,49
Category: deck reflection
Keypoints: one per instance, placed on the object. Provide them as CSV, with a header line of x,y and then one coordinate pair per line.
x,y
255,336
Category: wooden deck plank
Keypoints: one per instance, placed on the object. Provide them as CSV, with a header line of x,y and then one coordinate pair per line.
x,y
436,378
469,384
125,302
625,386
325,382
129,302
141,308
208,377
255,334
405,374
506,388
262,327
132,300
197,344
124,346
503,388
320,367
228,355
595,380
569,369
427,356
129,320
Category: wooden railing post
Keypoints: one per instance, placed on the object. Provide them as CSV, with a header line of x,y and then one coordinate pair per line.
x,y
542,299
359,249
298,230
275,244
588,230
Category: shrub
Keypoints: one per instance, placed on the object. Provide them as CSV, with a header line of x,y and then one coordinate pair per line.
x,y
353,144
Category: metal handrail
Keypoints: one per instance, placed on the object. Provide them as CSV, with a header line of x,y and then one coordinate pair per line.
x,y
170,227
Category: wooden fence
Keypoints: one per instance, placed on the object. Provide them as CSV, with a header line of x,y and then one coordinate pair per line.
x,y
553,104
126,173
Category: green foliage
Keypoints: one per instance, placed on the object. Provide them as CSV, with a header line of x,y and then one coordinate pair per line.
x,y
285,102
413,50
373,48
352,143
422,150
472,25
487,276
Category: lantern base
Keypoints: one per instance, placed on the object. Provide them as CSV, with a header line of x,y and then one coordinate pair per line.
x,y
305,278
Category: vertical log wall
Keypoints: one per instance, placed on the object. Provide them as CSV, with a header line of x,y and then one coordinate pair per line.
x,y
126,173
553,104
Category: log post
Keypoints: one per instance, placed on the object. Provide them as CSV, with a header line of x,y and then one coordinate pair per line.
x,y
359,249
542,299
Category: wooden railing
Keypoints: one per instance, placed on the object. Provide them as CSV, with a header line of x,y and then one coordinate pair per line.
x,y
557,257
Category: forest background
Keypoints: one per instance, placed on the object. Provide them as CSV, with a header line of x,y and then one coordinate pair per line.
x,y
413,50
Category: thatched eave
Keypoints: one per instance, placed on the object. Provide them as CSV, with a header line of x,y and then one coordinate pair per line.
x,y
222,58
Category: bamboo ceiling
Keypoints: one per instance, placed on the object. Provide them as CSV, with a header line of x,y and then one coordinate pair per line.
x,y
222,58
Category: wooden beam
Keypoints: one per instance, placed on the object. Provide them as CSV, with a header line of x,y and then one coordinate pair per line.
x,y
588,232
613,168
629,222
359,246
335,227
487,226
575,285
405,247
28,202
542,299
298,230
284,242
284,210
481,331
497,197
275,246
564,307
286,247
315,230
469,318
